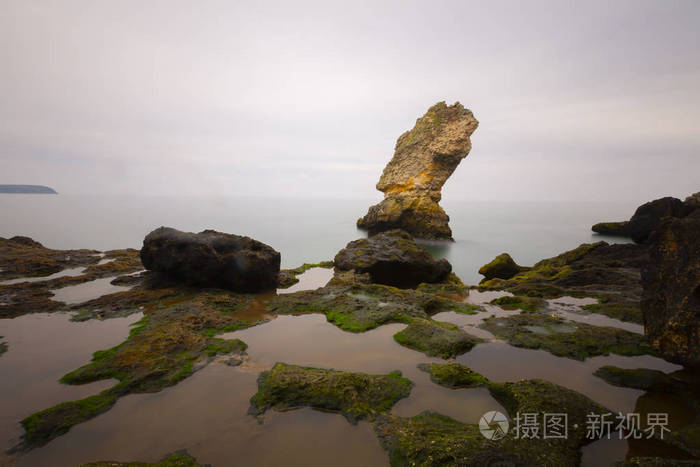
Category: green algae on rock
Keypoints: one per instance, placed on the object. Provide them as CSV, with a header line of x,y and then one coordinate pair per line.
x,y
361,307
424,158
453,375
161,350
177,459
355,395
566,338
434,439
610,273
501,267
436,338
528,304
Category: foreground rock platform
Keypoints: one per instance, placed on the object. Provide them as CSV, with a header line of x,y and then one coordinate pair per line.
x,y
212,258
424,158
392,258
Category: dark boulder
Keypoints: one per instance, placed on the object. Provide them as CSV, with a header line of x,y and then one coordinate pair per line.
x,y
211,258
646,219
501,267
671,297
392,258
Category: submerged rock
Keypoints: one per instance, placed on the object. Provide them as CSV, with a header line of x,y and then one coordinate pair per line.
x,y
671,299
646,219
392,258
356,395
453,375
212,258
424,158
177,459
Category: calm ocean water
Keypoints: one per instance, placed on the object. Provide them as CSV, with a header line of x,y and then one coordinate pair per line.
x,y
305,230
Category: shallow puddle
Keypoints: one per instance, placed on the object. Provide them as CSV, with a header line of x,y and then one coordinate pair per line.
x,y
80,293
206,414
312,278
42,347
486,296
56,275
570,308
499,361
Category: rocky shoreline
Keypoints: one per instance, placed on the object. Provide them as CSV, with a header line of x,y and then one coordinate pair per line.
x,y
193,288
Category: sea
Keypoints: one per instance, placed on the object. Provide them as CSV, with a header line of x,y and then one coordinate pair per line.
x,y
308,230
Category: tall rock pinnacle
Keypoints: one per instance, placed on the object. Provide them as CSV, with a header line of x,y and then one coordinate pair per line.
x,y
424,158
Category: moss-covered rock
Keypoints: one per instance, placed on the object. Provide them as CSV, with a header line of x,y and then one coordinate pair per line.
x,y
610,273
355,395
501,267
161,350
433,439
178,459
453,375
435,338
519,302
566,338
360,307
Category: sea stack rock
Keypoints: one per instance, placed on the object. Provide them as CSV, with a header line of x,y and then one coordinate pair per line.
x,y
392,258
424,158
671,297
211,259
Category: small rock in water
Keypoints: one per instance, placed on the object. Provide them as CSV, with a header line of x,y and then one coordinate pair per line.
x,y
392,258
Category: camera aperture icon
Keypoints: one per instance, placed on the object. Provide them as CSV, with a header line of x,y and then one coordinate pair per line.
x,y
493,425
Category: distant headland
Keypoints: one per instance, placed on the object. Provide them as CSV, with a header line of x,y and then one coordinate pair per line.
x,y
33,189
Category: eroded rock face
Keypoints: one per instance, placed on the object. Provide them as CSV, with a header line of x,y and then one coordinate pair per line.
x,y
424,158
212,258
392,258
671,297
646,219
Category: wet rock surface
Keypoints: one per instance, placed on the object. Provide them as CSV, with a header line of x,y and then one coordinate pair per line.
x,y
355,395
434,439
211,258
453,375
424,158
610,273
436,338
501,267
24,257
565,338
671,299
646,219
392,258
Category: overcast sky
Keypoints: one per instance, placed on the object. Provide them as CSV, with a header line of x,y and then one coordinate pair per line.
x,y
579,100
